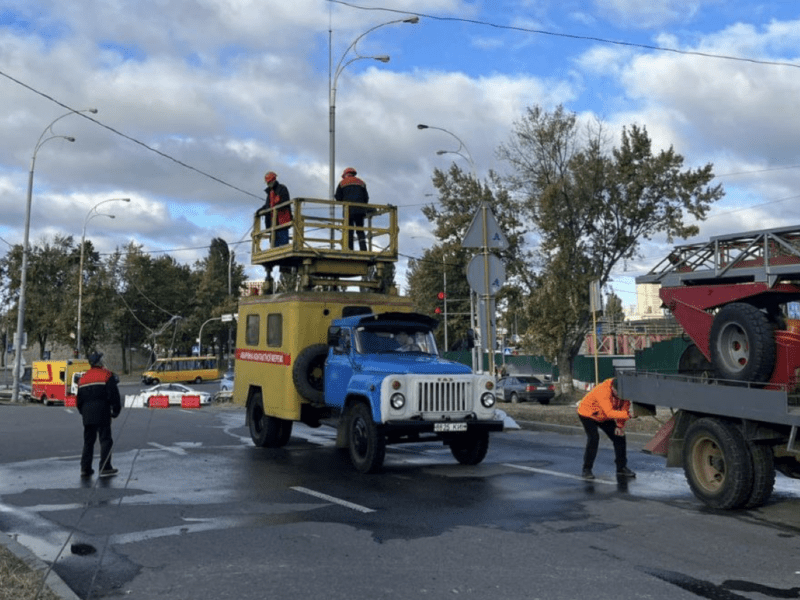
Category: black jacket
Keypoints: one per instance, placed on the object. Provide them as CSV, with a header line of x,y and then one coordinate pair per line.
x,y
98,397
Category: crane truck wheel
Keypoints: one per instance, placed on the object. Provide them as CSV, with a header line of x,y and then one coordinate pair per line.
x,y
366,442
266,431
763,474
308,373
470,449
717,464
742,344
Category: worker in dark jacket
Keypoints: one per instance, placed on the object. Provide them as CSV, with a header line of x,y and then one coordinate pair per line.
x,y
353,189
98,402
278,206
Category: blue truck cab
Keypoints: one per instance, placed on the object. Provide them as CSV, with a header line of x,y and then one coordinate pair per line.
x,y
385,381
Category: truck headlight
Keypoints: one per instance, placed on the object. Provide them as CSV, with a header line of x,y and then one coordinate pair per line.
x,y
487,400
397,401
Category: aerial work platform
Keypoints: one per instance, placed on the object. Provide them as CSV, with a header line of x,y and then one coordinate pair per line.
x,y
318,243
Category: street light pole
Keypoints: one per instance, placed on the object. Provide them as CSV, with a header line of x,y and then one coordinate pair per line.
x,y
24,268
461,146
333,77
89,217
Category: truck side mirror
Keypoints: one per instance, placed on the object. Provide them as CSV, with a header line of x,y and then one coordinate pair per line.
x,y
333,335
470,339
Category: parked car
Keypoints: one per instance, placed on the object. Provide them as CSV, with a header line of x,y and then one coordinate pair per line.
x,y
226,383
525,388
174,391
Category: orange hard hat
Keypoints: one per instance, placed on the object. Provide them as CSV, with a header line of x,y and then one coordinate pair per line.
x,y
270,177
348,171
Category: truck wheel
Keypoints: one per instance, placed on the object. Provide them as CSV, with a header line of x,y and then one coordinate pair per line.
x,y
308,373
717,464
367,444
470,449
266,431
742,344
763,475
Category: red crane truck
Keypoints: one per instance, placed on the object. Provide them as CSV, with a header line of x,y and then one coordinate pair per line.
x,y
735,393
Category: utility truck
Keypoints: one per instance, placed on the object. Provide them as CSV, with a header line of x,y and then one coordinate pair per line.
x,y
57,380
361,362
734,387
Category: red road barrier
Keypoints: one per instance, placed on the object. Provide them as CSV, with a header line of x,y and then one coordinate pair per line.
x,y
191,401
158,402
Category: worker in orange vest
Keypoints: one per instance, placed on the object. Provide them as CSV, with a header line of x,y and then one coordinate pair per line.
x,y
603,409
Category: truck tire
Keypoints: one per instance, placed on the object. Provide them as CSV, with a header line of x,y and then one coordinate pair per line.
x,y
693,363
308,373
718,464
763,474
742,344
470,449
266,431
366,442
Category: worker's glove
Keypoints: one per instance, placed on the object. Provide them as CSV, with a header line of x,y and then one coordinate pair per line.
x,y
619,431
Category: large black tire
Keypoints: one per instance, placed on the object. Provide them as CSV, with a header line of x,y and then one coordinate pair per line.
x,y
763,475
366,442
717,464
742,344
470,449
266,431
308,373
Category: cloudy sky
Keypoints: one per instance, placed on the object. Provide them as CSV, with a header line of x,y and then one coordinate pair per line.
x,y
197,99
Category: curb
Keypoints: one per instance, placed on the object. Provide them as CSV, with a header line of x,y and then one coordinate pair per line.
x,y
53,581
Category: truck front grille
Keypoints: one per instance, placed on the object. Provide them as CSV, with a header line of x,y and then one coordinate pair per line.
x,y
443,396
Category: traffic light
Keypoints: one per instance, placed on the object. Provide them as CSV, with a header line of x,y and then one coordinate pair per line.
x,y
441,296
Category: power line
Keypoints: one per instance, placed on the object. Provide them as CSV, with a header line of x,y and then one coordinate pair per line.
x,y
128,137
573,36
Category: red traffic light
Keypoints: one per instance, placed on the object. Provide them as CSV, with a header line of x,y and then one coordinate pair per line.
x,y
437,310
441,296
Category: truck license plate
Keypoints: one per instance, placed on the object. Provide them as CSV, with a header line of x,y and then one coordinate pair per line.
x,y
440,427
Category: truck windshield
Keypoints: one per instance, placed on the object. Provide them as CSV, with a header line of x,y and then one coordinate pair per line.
x,y
387,339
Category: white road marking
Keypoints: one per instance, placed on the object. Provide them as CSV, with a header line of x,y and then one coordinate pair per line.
x,y
339,501
558,474
178,451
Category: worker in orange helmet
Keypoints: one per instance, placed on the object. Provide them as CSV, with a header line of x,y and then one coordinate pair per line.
x,y
278,203
353,189
603,409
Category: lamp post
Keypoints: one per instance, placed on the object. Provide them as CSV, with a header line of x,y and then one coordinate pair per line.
x,y
24,269
89,216
333,77
468,158
461,146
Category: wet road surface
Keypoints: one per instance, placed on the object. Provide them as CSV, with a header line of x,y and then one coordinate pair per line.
x,y
198,512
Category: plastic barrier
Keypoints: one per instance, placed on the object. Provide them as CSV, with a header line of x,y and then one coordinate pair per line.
x,y
158,402
190,401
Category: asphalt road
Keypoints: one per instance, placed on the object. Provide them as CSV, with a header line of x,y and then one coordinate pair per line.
x,y
198,512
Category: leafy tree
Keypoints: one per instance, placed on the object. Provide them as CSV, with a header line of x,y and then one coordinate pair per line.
x,y
614,312
459,197
50,294
592,209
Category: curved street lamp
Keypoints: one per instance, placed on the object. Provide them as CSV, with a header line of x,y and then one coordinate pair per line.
x,y
89,216
24,269
333,77
461,146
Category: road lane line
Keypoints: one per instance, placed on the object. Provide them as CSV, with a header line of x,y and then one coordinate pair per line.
x,y
339,501
178,451
557,474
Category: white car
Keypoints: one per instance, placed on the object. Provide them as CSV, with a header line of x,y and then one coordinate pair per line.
x,y
173,391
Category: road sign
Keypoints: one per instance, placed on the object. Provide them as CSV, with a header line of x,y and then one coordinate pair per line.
x,y
484,231
483,269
